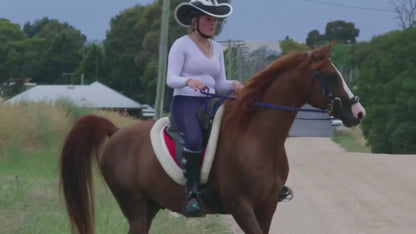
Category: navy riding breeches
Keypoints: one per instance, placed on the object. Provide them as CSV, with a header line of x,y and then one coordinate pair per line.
x,y
184,114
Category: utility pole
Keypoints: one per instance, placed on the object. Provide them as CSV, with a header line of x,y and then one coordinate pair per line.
x,y
163,52
229,58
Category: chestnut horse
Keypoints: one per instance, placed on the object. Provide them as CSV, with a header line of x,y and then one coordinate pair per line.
x,y
250,166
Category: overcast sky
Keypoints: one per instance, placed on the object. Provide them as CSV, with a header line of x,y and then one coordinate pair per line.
x,y
256,20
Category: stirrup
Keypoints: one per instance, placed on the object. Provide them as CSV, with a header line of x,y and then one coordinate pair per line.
x,y
286,194
193,207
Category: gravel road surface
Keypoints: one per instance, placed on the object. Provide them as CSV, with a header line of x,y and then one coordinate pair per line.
x,y
337,192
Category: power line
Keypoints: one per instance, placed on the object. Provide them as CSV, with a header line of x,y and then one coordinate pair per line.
x,y
348,6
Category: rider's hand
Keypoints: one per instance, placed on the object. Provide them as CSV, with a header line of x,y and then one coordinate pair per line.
x,y
237,86
196,85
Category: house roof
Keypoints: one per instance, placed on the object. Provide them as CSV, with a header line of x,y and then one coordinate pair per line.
x,y
95,95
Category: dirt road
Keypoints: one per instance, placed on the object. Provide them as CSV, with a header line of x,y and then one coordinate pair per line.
x,y
346,193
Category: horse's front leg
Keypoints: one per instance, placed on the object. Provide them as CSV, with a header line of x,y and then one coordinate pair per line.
x,y
264,215
244,215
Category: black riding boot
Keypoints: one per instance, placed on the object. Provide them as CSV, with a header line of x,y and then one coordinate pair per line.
x,y
191,167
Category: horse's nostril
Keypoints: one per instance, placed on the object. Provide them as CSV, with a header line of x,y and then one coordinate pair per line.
x,y
360,115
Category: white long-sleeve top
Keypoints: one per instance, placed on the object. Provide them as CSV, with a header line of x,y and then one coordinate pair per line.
x,y
186,61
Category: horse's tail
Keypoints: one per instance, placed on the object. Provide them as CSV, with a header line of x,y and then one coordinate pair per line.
x,y
82,142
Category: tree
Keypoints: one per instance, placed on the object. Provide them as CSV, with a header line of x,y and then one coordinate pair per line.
x,y
405,12
19,57
64,51
314,39
338,31
24,58
341,31
32,30
339,57
43,52
289,46
9,31
387,86
122,44
357,54
91,66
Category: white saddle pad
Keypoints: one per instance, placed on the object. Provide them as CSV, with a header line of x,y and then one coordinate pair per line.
x,y
166,160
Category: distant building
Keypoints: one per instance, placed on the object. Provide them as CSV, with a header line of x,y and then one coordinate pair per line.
x,y
270,47
95,95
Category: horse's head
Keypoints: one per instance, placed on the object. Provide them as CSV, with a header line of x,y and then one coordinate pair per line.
x,y
329,89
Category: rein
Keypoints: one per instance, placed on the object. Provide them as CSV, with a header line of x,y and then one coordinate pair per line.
x,y
270,106
279,107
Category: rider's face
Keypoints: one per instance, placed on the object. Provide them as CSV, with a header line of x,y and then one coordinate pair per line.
x,y
208,24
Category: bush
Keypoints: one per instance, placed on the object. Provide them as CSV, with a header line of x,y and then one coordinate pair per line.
x,y
387,87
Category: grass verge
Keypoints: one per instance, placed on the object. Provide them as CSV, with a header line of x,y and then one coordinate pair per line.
x,y
351,139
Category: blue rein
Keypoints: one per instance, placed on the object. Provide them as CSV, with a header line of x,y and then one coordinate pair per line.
x,y
271,106
285,108
278,107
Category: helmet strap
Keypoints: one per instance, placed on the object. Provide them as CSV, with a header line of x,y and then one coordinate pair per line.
x,y
199,31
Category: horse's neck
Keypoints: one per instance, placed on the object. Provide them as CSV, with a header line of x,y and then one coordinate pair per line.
x,y
271,124
276,123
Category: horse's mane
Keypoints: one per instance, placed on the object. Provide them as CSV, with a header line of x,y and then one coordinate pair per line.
x,y
255,87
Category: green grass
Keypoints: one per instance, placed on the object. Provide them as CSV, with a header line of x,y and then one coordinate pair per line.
x,y
28,195
30,202
351,140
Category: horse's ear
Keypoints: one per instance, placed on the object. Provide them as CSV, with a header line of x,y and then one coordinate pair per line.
x,y
322,53
327,49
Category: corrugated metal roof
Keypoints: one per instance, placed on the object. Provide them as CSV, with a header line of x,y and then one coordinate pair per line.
x,y
95,95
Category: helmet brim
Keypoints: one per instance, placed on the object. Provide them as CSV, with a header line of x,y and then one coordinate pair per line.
x,y
183,12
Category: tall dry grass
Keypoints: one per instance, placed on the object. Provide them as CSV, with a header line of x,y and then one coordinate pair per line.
x,y
34,126
31,126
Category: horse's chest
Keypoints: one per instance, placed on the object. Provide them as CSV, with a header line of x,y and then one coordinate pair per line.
x,y
258,176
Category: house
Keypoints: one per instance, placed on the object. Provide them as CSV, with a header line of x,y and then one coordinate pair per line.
x,y
270,47
95,95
